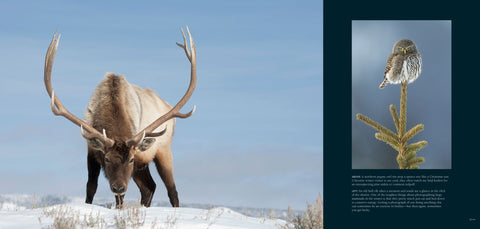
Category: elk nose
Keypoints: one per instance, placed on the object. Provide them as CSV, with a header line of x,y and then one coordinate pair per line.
x,y
118,189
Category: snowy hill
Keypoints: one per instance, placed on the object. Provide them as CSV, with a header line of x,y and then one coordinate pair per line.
x,y
23,211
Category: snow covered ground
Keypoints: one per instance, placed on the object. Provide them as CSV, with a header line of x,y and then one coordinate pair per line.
x,y
24,211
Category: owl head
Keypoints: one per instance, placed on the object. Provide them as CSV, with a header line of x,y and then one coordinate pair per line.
x,y
404,46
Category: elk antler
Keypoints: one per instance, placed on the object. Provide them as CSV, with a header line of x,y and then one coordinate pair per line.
x,y
57,106
175,111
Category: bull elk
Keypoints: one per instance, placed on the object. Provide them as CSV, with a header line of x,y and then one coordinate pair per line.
x,y
126,127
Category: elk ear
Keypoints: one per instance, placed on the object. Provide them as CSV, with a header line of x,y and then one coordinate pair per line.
x,y
146,144
96,144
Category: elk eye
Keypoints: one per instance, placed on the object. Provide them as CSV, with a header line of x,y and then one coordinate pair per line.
x,y
131,160
107,160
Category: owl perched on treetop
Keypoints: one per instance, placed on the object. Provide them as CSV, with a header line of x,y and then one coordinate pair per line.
x,y
404,64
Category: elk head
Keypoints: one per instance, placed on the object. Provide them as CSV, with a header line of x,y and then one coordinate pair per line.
x,y
117,154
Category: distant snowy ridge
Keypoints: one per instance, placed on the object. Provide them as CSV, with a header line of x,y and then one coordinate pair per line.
x,y
33,201
18,211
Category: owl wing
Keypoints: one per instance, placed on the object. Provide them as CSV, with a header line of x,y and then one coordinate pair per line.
x,y
389,65
387,69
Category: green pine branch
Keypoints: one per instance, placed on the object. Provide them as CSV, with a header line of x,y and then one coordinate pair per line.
x,y
407,154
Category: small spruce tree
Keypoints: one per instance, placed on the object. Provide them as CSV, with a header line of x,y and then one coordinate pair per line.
x,y
407,154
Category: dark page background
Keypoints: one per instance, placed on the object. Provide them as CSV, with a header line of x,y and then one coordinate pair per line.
x,y
463,201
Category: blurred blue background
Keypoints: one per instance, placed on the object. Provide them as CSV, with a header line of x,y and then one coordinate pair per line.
x,y
255,139
428,98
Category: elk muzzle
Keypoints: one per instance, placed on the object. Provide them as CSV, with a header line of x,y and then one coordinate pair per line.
x,y
118,189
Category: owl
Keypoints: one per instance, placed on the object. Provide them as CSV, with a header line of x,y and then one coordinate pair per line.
x,y
404,64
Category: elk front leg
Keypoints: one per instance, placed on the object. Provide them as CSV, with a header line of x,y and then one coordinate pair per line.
x,y
119,201
145,183
164,165
93,172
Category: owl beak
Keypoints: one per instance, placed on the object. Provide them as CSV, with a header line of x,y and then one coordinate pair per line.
x,y
404,51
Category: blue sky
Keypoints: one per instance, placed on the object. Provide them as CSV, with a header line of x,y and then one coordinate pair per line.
x,y
256,138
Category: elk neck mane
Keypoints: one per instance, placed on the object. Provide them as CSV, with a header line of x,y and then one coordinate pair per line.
x,y
115,107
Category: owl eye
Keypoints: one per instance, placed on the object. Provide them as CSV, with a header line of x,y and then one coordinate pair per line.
x,y
408,48
400,49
